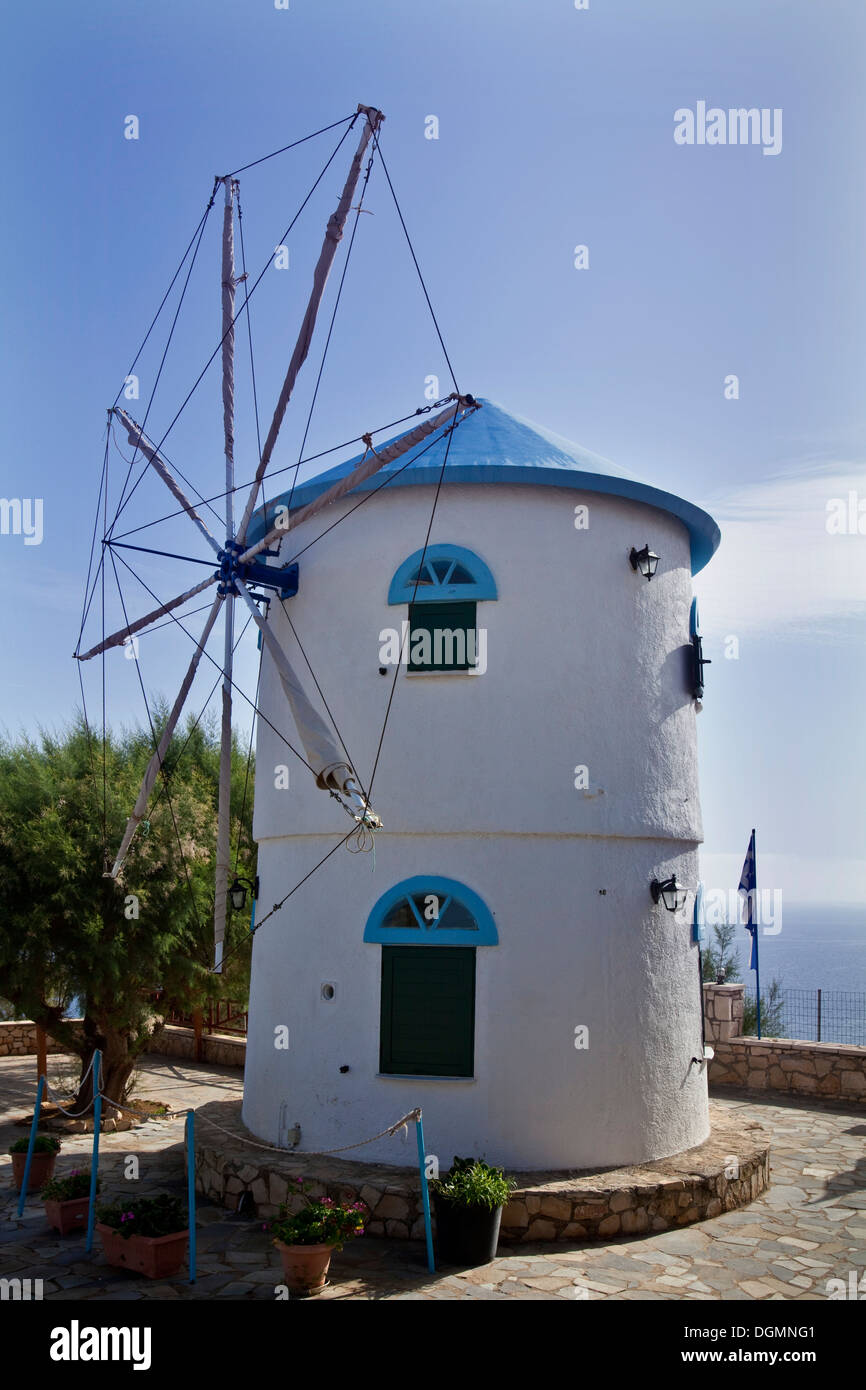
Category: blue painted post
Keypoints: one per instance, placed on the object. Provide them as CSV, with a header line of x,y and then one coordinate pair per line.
x,y
190,1183
33,1129
94,1162
425,1193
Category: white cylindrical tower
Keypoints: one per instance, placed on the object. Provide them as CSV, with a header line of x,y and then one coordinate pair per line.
x,y
500,961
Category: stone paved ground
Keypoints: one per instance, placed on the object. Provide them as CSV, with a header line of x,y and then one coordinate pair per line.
x,y
809,1227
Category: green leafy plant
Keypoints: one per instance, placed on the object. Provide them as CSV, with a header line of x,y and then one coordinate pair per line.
x,y
319,1221
144,1216
43,1144
76,1184
71,934
471,1182
772,1013
721,954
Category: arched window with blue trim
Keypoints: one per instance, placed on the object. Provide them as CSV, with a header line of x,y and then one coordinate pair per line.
x,y
428,928
442,586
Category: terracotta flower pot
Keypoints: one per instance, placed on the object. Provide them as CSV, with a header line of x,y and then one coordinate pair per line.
x,y
67,1216
156,1257
41,1170
305,1267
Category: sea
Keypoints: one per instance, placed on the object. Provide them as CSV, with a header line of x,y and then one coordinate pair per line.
x,y
818,959
817,948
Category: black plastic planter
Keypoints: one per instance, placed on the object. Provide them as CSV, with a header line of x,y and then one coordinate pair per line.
x,y
466,1236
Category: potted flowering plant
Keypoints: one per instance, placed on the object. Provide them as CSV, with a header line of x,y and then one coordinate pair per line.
x,y
146,1234
45,1150
307,1237
67,1201
468,1200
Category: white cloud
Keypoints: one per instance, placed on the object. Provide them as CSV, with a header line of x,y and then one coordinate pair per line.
x,y
778,568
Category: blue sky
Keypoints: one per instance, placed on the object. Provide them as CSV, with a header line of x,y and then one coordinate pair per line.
x,y
555,129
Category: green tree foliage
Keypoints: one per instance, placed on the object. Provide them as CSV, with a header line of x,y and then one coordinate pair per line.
x,y
68,931
772,1013
721,954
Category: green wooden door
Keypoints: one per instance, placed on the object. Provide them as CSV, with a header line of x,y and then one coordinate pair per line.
x,y
427,1025
442,636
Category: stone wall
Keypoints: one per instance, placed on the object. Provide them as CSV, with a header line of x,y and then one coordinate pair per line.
x,y
19,1039
723,1011
218,1048
727,1171
830,1070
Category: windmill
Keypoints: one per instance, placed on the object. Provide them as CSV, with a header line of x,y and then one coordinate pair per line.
x,y
242,572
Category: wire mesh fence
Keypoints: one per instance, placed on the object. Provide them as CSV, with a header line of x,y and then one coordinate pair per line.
x,y
815,1015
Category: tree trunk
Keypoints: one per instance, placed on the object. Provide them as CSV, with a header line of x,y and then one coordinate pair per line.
x,y
41,1051
117,1063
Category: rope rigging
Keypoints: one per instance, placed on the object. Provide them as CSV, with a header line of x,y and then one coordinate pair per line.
x,y
248,296
121,504
287,468
165,780
237,567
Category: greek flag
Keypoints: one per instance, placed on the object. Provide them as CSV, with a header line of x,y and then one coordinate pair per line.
x,y
749,886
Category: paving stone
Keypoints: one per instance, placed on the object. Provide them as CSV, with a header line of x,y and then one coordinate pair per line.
x,y
755,1289
807,1228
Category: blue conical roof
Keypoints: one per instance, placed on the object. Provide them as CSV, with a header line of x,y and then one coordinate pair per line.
x,y
494,446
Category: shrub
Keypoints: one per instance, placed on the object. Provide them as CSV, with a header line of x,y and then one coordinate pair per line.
x,y
772,1013
320,1221
473,1183
43,1144
76,1184
144,1216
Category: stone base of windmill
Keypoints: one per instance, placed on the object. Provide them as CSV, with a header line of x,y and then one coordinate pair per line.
x,y
728,1171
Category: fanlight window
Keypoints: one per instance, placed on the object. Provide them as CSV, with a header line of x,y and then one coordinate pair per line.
x,y
436,573
442,573
431,911
426,912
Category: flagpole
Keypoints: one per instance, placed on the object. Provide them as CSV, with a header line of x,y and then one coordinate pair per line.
x,y
752,900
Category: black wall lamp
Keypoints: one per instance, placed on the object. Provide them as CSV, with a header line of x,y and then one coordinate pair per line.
x,y
238,893
671,893
645,561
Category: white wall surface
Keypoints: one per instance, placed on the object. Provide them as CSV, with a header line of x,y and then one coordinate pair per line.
x,y
586,665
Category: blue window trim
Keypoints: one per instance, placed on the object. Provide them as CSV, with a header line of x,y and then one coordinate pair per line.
x,y
430,935
402,588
